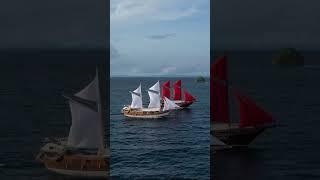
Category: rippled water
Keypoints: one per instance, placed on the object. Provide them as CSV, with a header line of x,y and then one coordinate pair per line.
x,y
291,150
174,147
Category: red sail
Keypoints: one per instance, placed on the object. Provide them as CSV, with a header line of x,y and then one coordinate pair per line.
x,y
166,89
219,97
188,96
177,90
250,113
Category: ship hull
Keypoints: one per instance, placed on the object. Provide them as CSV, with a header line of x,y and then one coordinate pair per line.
x,y
79,166
143,113
154,116
183,104
235,136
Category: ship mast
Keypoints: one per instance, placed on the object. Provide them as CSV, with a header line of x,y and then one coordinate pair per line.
x,y
101,110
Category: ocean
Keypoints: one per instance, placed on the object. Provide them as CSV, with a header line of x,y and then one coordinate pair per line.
x,y
174,147
32,106
291,150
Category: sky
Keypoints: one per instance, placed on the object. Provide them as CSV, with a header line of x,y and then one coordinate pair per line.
x,y
272,24
160,37
52,24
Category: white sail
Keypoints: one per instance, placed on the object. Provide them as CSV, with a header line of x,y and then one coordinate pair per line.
x,y
154,94
136,98
90,91
86,131
169,105
156,87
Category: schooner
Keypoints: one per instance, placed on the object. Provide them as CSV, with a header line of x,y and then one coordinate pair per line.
x,y
155,108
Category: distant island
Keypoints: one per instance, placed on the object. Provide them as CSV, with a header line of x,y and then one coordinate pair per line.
x,y
288,56
200,79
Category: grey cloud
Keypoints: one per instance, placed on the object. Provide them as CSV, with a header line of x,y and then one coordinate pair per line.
x,y
161,36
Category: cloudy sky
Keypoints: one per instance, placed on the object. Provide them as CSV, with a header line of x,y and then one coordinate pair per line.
x,y
252,24
160,37
53,24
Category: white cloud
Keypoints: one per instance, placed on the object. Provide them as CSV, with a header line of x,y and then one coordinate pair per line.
x,y
152,10
168,70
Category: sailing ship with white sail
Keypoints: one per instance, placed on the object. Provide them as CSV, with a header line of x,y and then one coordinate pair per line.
x,y
253,120
154,110
83,152
183,101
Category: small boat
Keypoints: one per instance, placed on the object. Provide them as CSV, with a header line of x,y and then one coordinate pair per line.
x,y
155,109
83,153
182,102
253,120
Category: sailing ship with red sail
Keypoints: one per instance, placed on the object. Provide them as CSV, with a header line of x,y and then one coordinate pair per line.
x,y
253,120
183,101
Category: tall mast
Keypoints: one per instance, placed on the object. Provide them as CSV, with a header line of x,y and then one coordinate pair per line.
x,y
101,108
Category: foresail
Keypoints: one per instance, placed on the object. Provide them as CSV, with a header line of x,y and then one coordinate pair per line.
x,y
188,96
250,113
169,105
85,131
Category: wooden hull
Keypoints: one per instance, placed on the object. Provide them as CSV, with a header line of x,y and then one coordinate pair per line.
x,y
140,114
235,136
162,115
79,165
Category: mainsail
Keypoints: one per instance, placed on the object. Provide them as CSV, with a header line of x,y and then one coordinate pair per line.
x,y
154,94
169,105
136,98
219,91
177,90
251,114
166,89
86,131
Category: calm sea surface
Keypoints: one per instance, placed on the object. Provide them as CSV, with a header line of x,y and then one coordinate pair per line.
x,y
174,147
291,94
